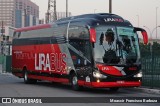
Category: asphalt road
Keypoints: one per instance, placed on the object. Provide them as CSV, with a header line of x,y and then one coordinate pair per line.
x,y
11,86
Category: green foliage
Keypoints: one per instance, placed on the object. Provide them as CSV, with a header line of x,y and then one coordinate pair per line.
x,y
147,49
156,49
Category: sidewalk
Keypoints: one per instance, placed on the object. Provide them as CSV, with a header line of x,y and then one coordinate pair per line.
x,y
145,89
150,90
6,73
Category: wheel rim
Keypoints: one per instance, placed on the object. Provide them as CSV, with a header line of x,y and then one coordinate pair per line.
x,y
74,80
25,76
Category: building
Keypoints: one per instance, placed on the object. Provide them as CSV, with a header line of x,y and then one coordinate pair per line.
x,y
18,13
7,31
7,11
41,21
60,15
15,14
6,39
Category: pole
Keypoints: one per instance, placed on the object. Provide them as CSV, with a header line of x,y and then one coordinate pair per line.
x,y
66,8
2,31
3,36
156,22
138,19
95,11
55,10
25,14
48,13
110,6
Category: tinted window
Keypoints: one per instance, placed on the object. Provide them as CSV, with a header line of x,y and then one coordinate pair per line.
x,y
81,47
78,32
16,35
37,33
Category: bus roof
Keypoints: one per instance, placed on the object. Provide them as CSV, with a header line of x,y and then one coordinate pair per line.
x,y
43,26
86,19
98,16
92,19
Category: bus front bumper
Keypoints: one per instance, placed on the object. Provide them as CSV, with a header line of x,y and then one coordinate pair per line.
x,y
116,84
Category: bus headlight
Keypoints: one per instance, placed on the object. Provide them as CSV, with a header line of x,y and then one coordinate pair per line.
x,y
97,74
139,75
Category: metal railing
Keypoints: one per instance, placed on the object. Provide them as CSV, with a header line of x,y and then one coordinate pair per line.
x,y
151,67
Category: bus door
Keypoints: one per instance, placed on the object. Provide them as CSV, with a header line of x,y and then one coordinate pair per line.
x,y
87,62
80,50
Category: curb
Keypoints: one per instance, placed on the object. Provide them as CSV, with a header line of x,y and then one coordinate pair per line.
x,y
7,74
150,90
145,90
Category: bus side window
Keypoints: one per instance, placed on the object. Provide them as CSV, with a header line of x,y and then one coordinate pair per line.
x,y
86,45
79,39
19,34
16,35
78,32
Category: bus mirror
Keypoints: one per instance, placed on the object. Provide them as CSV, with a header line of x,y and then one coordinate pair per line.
x,y
92,35
144,34
145,37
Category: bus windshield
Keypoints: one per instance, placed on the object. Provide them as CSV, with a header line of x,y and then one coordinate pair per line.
x,y
116,45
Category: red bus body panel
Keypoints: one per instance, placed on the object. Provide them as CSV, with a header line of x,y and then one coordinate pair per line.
x,y
43,26
29,56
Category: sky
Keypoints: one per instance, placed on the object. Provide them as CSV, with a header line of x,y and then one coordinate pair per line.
x,y
132,10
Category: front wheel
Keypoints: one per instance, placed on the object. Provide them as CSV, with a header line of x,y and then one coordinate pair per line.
x,y
74,82
28,80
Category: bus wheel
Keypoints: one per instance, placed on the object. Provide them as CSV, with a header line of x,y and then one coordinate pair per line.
x,y
27,80
114,89
74,82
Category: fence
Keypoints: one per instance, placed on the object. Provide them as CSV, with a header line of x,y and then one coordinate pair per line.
x,y
151,72
5,56
1,59
6,62
151,65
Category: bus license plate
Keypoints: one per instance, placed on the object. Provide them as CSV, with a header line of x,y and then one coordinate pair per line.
x,y
120,82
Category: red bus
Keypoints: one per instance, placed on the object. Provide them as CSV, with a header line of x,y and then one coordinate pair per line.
x,y
91,50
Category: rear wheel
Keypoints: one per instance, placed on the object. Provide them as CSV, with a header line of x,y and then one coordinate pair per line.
x,y
74,82
28,80
114,89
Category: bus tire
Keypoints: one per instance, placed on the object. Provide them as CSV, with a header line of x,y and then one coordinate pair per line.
x,y
28,80
114,89
74,82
